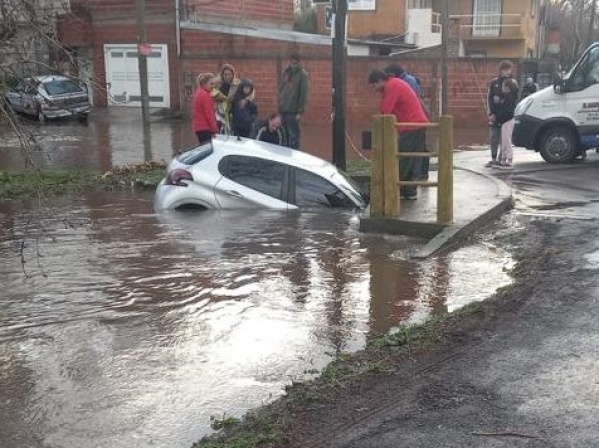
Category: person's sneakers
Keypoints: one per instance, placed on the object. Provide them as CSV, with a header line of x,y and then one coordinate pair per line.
x,y
506,166
492,163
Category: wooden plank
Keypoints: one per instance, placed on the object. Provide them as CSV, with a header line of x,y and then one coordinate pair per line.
x,y
416,154
421,183
390,167
376,169
417,125
445,171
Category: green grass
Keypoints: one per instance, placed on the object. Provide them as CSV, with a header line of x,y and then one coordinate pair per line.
x,y
33,183
358,167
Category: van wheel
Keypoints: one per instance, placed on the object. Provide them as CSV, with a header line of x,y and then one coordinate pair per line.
x,y
558,145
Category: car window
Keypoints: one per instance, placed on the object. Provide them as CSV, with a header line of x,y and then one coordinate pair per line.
x,y
62,87
312,190
195,155
264,176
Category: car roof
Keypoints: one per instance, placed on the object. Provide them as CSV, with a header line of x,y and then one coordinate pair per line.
x,y
49,78
230,145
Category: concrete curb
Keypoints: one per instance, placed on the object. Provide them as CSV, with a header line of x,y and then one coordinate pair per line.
x,y
442,237
451,235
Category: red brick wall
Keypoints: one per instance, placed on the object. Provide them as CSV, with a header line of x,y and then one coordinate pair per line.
x,y
275,12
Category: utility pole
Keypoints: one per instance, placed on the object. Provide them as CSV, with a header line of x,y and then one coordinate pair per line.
x,y
143,61
339,82
444,72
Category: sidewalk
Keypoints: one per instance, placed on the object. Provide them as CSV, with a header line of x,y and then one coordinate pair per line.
x,y
479,198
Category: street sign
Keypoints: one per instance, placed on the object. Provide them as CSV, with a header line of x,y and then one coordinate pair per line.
x,y
144,49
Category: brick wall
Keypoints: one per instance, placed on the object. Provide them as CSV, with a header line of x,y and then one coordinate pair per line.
x,y
277,13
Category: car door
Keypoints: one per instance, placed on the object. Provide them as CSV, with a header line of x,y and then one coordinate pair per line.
x,y
251,182
14,97
311,190
28,98
582,98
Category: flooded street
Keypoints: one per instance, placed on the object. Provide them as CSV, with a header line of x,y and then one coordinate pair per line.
x,y
120,328
114,137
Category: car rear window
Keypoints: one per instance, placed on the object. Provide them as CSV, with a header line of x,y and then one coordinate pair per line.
x,y
62,87
194,155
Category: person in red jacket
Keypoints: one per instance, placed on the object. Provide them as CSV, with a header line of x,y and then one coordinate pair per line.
x,y
399,99
204,115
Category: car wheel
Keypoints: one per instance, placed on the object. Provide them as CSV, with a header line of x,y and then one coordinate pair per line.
x,y
82,118
558,145
40,116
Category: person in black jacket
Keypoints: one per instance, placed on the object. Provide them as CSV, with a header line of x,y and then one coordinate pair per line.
x,y
529,88
505,118
271,130
494,100
243,109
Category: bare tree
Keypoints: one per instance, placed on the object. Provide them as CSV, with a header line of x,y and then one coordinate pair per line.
x,y
575,20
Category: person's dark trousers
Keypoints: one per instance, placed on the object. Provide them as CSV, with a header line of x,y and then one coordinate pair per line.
x,y
204,136
424,161
292,129
410,168
241,132
495,140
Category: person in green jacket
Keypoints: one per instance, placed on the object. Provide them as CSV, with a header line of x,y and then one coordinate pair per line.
x,y
294,88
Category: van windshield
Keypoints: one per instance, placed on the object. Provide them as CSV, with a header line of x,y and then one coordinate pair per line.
x,y
62,87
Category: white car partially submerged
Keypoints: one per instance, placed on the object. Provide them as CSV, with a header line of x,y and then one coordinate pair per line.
x,y
234,173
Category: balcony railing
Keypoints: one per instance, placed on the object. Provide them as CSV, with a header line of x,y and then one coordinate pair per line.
x,y
490,26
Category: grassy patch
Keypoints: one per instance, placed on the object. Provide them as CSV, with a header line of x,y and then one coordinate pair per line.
x,y
358,167
31,183
261,429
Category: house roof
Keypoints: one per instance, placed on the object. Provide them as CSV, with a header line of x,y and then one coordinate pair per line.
x,y
281,34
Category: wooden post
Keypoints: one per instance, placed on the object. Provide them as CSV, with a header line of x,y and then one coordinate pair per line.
x,y
384,174
376,169
445,171
390,167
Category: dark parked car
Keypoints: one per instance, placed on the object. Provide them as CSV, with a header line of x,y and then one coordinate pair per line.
x,y
47,97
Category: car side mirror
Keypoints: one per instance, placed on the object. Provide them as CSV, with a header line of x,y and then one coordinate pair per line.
x,y
559,86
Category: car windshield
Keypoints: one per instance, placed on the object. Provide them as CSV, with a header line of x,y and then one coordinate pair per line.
x,y
360,197
62,87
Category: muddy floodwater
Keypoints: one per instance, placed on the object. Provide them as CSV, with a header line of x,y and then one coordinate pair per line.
x,y
120,328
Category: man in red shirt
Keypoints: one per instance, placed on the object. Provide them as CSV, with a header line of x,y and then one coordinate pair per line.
x,y
399,99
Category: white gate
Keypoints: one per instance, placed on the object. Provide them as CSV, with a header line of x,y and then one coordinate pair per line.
x,y
487,18
122,75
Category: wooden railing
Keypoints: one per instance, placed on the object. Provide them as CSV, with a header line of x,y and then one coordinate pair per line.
x,y
386,158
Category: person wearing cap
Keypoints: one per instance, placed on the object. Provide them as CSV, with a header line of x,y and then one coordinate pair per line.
x,y
294,89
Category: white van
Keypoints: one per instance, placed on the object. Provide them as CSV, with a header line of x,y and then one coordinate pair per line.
x,y
562,122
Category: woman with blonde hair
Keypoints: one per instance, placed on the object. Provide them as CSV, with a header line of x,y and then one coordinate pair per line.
x,y
222,93
203,117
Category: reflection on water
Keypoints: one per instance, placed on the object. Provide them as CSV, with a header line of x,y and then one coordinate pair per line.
x,y
116,136
126,329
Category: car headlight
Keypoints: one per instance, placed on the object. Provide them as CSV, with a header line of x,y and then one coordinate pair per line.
x,y
523,106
